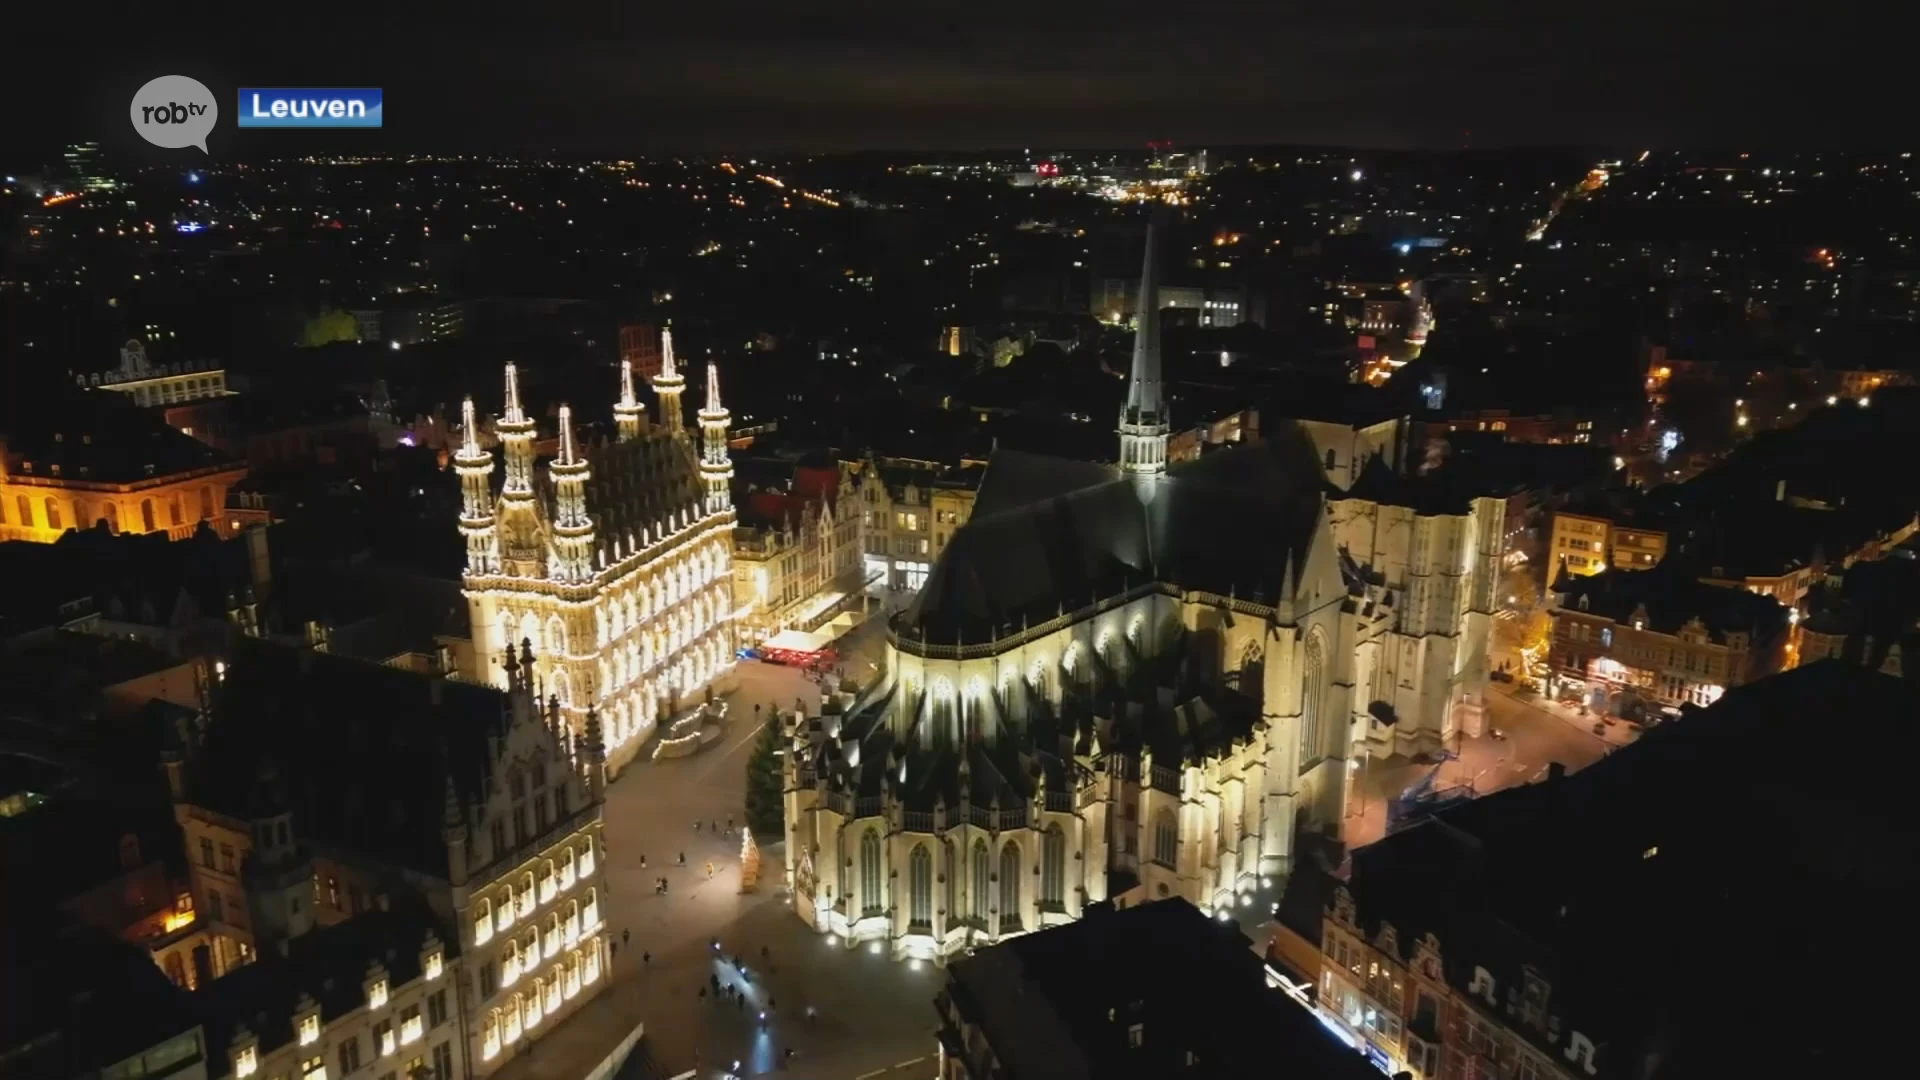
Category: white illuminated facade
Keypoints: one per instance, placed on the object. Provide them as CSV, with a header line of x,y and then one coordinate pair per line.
x,y
529,888
417,995
615,569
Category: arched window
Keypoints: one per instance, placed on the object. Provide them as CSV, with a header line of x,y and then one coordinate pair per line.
x,y
53,513
146,515
920,888
1313,742
1009,887
870,873
982,886
949,871
1253,673
556,636
529,630
1166,839
1053,869
174,516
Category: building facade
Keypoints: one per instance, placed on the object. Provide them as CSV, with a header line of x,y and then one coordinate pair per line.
x,y
1587,543
303,812
907,517
83,462
798,562
615,567
1660,638
1118,683
145,383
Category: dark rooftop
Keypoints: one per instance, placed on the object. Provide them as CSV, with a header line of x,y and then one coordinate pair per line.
x,y
1061,1003
366,750
1693,858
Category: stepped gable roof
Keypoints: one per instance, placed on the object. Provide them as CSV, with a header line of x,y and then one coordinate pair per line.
x,y
637,483
365,749
1048,535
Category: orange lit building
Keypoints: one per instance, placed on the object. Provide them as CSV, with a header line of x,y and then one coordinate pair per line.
x,y
93,460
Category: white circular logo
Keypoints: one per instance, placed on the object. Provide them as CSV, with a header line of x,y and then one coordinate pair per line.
x,y
175,111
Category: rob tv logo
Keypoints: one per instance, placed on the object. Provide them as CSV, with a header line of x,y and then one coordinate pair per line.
x,y
266,108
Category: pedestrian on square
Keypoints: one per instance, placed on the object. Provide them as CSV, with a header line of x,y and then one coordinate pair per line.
x,y
626,935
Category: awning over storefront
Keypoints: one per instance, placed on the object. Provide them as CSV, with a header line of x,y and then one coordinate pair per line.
x,y
797,641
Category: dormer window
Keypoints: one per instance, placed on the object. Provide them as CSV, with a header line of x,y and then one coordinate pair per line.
x,y
246,1062
436,964
1639,624
309,1028
377,994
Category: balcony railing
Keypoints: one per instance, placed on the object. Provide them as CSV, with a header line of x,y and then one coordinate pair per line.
x,y
1060,801
867,806
1165,779
918,821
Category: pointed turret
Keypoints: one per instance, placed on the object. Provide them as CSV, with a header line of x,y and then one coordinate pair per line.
x,y
594,749
716,468
519,510
668,384
628,413
573,533
1143,420
474,466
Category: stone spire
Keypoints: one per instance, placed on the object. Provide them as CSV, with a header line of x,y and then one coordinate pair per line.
x,y
1143,420
475,469
668,385
627,414
519,510
716,468
573,537
594,750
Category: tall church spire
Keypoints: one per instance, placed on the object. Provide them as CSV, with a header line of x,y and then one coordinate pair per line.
x,y
572,528
716,468
1143,420
627,414
519,510
668,385
475,469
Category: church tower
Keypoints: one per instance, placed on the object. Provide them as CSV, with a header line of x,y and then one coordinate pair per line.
x,y
716,468
1143,420
475,469
627,414
519,510
572,527
668,384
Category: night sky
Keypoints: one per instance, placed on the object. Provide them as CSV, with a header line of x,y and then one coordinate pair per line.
x,y
614,78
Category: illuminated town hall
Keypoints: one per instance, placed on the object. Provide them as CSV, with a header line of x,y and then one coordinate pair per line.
x,y
614,567
1126,682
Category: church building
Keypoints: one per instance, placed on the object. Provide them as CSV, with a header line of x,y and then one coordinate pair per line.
x,y
1120,683
614,565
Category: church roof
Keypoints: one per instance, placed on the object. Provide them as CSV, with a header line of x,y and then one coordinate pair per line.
x,y
1049,535
638,483
365,750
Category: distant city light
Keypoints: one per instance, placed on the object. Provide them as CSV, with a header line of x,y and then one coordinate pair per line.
x,y
406,440
394,345
1403,247
1357,174
193,178
189,227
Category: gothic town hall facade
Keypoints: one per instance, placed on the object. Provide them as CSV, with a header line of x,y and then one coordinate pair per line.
x,y
1119,683
613,567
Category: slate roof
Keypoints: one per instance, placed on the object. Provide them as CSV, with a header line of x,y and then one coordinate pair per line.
x,y
1059,1003
99,437
328,965
365,752
1672,596
1048,535
1668,862
637,483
